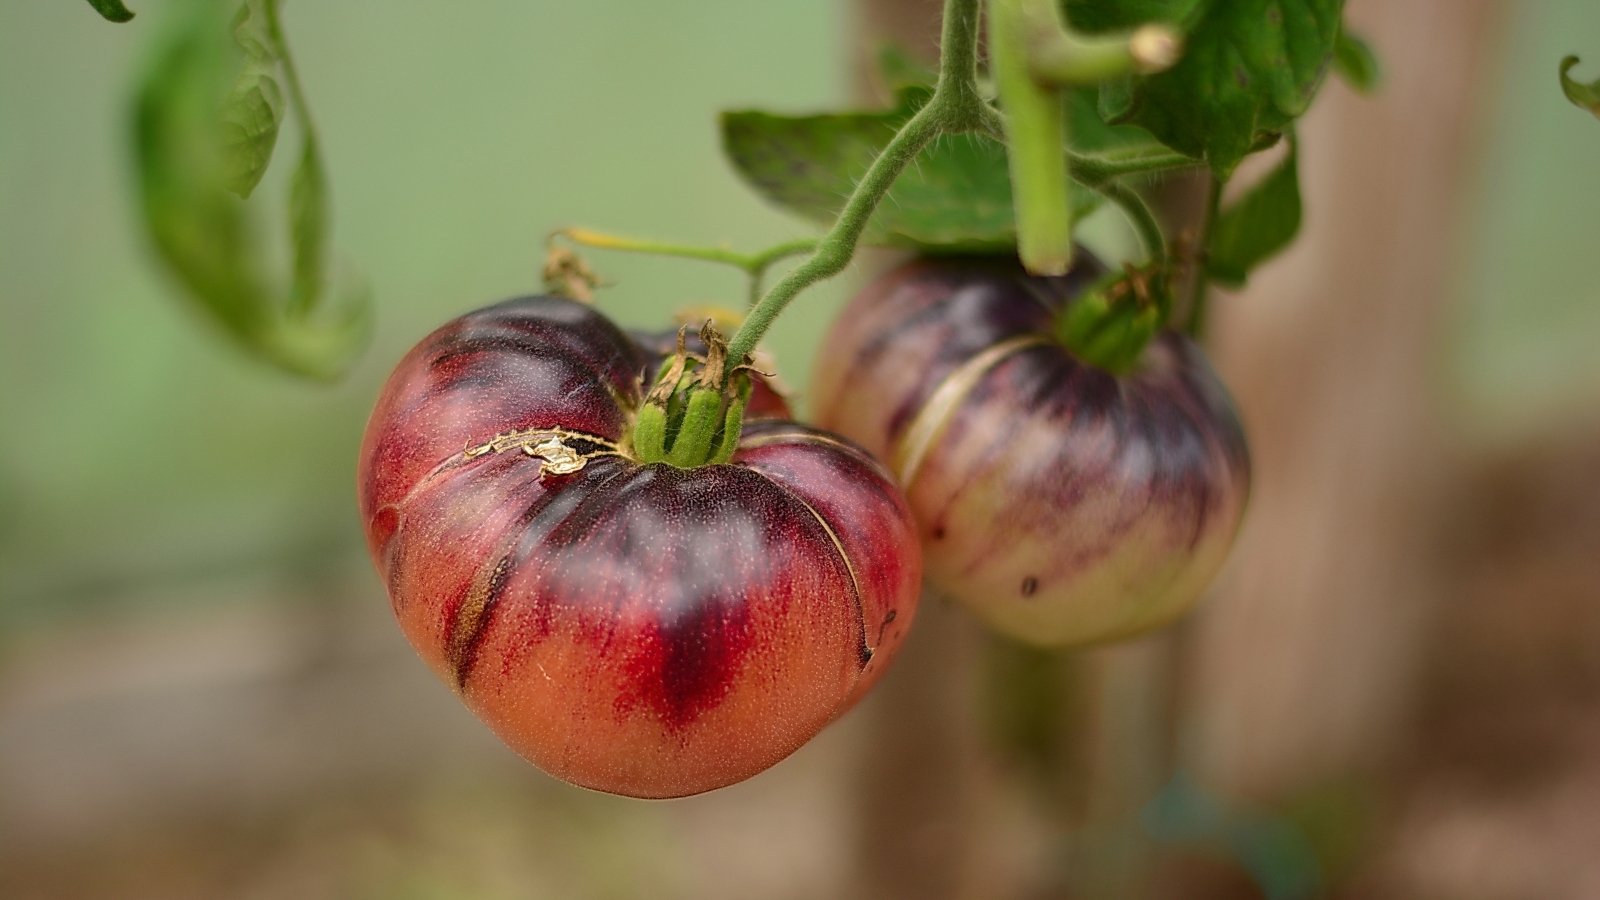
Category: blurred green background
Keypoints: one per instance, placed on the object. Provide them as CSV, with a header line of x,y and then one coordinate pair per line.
x,y
158,489
455,137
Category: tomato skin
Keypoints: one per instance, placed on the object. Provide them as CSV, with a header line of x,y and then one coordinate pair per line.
x,y
1061,503
638,629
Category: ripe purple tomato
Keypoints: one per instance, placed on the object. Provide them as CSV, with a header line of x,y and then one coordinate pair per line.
x,y
1063,504
640,629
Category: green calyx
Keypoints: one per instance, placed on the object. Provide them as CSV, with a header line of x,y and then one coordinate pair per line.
x,y
1110,324
694,413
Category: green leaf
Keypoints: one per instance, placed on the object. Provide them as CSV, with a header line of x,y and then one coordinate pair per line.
x,y
187,156
1355,62
1099,16
112,10
253,32
1249,69
956,196
1581,94
1091,133
250,119
308,228
1257,226
254,109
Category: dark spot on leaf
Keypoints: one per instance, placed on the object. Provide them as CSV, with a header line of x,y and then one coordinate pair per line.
x,y
1241,76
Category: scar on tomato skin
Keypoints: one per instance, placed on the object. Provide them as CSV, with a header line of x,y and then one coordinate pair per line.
x,y
887,621
1030,586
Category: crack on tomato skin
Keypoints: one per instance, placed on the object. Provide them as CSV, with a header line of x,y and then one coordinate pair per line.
x,y
548,445
943,403
865,651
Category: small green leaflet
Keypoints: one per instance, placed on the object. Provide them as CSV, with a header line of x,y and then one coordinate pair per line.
x,y
1249,68
1581,94
112,10
955,197
206,120
1355,62
1257,225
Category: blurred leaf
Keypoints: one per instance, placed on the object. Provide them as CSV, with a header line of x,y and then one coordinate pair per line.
x,y
308,228
1249,68
1355,62
1257,226
1096,16
188,154
1090,133
254,109
253,32
250,119
112,10
1581,94
956,196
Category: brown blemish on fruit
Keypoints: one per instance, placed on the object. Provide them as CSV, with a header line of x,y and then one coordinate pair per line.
x,y
1030,586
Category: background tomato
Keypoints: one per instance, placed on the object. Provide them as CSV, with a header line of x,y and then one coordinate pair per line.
x,y
1062,503
640,629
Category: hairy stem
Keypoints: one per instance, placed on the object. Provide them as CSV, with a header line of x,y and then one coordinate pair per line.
x,y
834,251
956,106
1095,169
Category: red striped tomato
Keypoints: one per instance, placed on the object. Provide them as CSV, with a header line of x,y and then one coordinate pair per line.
x,y
639,629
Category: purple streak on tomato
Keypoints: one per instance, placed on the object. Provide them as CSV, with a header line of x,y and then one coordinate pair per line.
x,y
1064,504
638,629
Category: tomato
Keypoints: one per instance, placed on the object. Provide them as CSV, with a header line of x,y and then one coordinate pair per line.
x,y
634,628
1063,504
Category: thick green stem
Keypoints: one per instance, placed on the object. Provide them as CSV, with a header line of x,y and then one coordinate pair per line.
x,y
1062,57
1036,139
956,106
1198,288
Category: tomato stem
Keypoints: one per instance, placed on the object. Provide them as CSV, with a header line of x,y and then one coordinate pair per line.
x,y
956,106
1061,56
1140,216
1195,320
753,264
1036,135
1095,169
